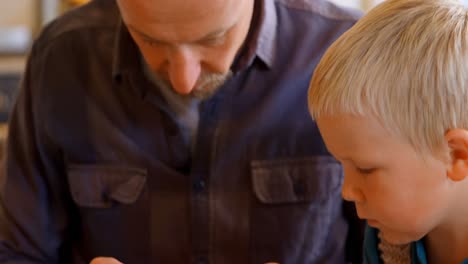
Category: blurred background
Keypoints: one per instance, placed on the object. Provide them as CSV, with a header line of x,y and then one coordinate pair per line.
x,y
22,20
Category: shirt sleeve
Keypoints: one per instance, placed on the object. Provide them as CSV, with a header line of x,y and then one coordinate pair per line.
x,y
33,217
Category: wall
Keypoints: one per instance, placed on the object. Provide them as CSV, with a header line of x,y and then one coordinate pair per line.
x,y
19,13
362,4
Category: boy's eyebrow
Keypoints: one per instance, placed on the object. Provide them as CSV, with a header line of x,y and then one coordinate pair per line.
x,y
341,159
210,35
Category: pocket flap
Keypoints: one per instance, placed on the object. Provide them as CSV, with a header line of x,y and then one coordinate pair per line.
x,y
295,180
102,186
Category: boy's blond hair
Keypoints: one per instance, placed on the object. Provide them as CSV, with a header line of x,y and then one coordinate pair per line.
x,y
404,63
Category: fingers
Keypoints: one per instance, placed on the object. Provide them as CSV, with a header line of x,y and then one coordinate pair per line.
x,y
103,260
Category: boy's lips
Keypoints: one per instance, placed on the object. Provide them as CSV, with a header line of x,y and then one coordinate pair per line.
x,y
372,222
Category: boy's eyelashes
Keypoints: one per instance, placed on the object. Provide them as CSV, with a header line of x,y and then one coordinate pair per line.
x,y
365,170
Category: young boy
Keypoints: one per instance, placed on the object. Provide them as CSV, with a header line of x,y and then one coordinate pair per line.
x,y
390,98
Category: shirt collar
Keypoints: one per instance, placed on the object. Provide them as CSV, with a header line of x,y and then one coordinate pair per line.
x,y
126,55
418,253
266,47
260,41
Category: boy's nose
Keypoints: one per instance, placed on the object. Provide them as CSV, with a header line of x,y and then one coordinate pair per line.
x,y
351,192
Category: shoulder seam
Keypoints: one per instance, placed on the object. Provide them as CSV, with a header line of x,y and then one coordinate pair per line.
x,y
319,10
44,41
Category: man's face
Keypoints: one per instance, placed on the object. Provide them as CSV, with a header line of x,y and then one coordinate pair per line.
x,y
188,44
396,189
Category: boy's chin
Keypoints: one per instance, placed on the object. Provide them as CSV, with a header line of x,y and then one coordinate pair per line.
x,y
399,239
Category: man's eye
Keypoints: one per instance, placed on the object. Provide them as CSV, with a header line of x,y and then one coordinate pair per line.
x,y
150,42
215,41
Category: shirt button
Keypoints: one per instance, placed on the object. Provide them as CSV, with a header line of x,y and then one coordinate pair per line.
x,y
199,185
201,260
299,188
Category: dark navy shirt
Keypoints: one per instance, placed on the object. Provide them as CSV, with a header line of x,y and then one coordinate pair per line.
x,y
96,164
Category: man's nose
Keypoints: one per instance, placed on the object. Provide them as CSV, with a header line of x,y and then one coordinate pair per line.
x,y
351,191
184,70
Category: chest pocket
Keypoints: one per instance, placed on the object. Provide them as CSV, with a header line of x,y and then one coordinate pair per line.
x,y
104,186
295,181
111,202
296,205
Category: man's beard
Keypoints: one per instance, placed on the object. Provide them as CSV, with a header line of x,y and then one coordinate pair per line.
x,y
205,87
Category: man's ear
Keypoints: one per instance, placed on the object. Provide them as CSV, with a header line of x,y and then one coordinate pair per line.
x,y
457,141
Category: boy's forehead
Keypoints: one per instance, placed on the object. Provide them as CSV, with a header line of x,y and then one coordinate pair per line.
x,y
346,120
346,133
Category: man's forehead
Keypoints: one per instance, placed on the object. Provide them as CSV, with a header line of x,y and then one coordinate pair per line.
x,y
180,20
167,11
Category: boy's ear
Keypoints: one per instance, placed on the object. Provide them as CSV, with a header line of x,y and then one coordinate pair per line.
x,y
457,141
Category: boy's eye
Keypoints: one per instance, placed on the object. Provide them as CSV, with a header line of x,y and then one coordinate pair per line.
x,y
365,170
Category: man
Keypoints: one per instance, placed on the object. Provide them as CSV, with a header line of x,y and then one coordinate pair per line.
x,y
174,131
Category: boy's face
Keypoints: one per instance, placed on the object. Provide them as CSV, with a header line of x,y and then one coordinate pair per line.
x,y
397,190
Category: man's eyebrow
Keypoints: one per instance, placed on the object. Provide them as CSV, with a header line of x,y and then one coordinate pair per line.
x,y
142,34
208,36
215,33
